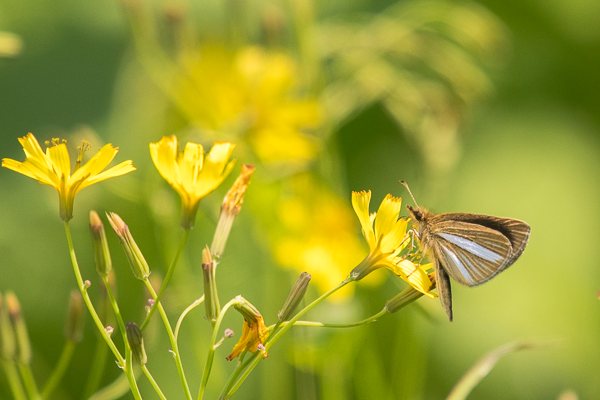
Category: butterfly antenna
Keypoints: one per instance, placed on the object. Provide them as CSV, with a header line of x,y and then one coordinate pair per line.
x,y
403,183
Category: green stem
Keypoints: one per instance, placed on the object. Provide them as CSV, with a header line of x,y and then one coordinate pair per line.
x,y
129,362
115,307
12,376
129,374
114,390
316,324
97,370
211,349
248,366
29,381
86,299
182,243
184,314
59,370
150,378
174,346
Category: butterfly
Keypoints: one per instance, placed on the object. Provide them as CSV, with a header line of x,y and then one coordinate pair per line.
x,y
469,248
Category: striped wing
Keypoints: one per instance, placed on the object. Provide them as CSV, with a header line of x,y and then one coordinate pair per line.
x,y
442,282
471,253
517,232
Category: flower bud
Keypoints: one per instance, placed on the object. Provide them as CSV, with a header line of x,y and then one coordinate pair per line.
x,y
136,342
101,251
138,263
19,328
402,299
231,207
75,317
211,298
8,346
294,297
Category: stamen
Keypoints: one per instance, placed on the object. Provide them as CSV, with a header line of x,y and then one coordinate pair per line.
x,y
81,149
54,142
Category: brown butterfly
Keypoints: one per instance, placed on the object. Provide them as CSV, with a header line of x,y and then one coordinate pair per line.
x,y
470,248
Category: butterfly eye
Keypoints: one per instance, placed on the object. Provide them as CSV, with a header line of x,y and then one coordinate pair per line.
x,y
415,212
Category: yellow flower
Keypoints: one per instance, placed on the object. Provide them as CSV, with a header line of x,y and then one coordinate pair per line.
x,y
191,173
386,234
254,330
53,168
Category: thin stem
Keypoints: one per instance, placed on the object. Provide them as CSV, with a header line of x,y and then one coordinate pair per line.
x,y
12,376
184,314
59,370
248,366
86,298
114,390
129,374
174,346
316,324
29,381
129,362
211,349
97,369
115,307
182,243
150,378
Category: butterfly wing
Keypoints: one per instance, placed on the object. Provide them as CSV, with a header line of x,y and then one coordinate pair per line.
x,y
473,253
516,231
442,283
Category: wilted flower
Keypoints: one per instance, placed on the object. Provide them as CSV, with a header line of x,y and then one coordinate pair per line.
x,y
254,330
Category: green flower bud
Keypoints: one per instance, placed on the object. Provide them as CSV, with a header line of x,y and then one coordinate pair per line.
x,y
75,317
138,263
101,251
211,298
19,328
136,342
402,299
8,346
294,297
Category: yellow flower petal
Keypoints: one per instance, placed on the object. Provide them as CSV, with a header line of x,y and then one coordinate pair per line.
x,y
387,215
415,275
61,162
360,203
96,164
391,241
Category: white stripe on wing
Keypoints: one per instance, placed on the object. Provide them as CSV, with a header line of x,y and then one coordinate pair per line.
x,y
458,264
472,247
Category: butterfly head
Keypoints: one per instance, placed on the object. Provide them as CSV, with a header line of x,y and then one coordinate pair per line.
x,y
418,213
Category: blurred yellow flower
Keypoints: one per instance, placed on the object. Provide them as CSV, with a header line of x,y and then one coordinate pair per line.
x,y
191,173
386,234
315,233
252,94
53,168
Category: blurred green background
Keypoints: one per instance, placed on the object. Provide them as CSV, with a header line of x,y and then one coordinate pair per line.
x,y
491,108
